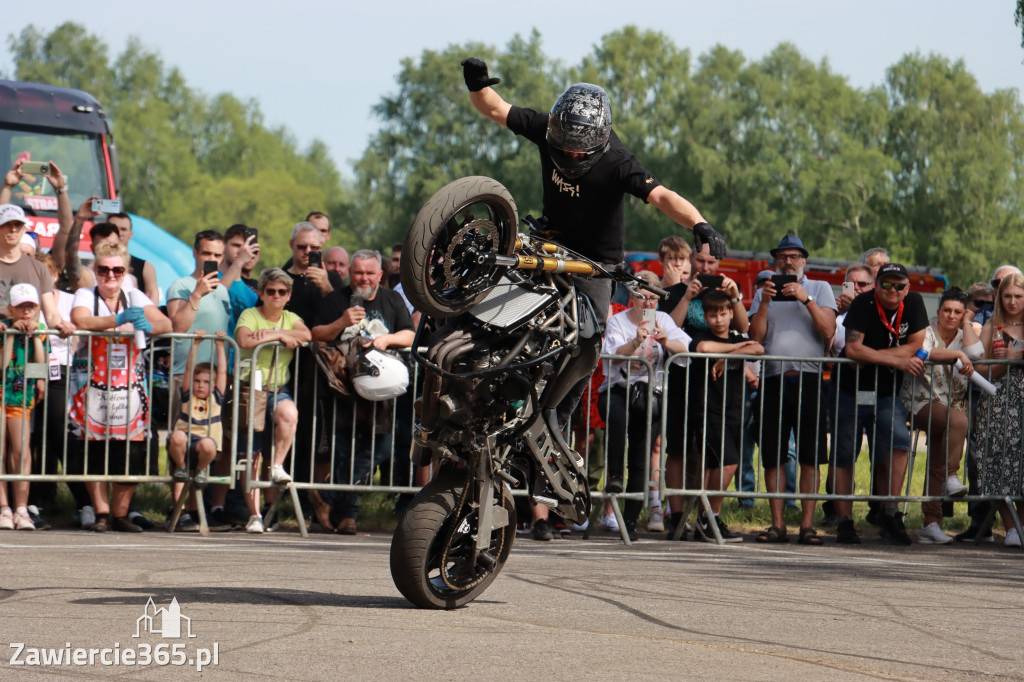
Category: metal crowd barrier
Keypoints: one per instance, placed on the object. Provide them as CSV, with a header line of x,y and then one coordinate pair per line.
x,y
825,381
319,458
57,431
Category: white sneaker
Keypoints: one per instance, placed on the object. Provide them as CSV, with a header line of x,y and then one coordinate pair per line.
x,y
23,522
255,524
580,527
932,535
279,475
656,521
1012,538
610,523
953,487
6,519
86,516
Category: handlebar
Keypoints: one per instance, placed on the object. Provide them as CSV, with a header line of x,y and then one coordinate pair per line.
x,y
624,276
557,258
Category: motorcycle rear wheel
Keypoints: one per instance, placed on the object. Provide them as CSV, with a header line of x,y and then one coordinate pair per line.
x,y
466,218
418,545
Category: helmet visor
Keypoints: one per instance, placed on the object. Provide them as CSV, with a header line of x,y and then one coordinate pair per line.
x,y
574,162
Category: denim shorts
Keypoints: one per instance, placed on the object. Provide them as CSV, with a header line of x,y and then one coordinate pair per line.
x,y
273,398
885,422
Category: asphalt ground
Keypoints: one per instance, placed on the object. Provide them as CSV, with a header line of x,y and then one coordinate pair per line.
x,y
279,606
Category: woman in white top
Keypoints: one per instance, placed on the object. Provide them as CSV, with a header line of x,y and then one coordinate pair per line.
x,y
937,401
628,334
111,406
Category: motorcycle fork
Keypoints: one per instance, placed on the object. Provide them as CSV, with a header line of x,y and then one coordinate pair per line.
x,y
490,516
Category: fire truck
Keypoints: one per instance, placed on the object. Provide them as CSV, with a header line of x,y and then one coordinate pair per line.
x,y
68,127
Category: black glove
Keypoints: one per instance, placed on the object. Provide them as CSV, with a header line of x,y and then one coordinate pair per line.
x,y
705,234
475,72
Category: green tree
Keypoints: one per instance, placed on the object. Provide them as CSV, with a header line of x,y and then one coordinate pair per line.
x,y
190,161
430,134
1018,19
645,75
959,184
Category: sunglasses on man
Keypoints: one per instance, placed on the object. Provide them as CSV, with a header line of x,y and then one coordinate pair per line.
x,y
898,286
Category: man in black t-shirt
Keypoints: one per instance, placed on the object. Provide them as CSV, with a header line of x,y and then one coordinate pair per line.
x,y
586,173
715,407
365,299
884,329
585,170
311,283
362,428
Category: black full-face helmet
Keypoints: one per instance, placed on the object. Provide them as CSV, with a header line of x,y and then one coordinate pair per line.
x,y
579,128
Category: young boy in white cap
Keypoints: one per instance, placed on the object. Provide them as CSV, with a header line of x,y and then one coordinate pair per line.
x,y
17,397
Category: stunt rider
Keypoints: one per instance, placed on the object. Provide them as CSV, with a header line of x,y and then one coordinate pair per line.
x,y
586,172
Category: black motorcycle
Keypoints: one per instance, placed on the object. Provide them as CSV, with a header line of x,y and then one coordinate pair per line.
x,y
507,336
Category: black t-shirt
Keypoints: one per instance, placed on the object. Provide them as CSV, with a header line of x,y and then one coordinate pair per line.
x,y
307,301
863,317
587,212
708,398
675,295
135,267
387,306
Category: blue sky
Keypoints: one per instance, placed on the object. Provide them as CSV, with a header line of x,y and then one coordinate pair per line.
x,y
317,68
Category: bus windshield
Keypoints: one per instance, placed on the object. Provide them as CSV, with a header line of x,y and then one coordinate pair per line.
x,y
78,155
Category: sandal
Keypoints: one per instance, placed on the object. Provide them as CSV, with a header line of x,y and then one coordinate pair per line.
x,y
773,534
809,536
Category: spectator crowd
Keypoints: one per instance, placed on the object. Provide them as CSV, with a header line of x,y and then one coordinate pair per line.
x,y
111,396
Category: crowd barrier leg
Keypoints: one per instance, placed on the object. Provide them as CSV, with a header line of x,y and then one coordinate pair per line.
x,y
706,503
618,518
677,532
910,468
990,519
299,517
1016,517
188,488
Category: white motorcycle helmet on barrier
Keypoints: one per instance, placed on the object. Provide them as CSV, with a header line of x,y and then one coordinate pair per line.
x,y
380,376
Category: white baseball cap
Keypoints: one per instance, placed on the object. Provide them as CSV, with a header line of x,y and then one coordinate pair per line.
x,y
24,293
10,213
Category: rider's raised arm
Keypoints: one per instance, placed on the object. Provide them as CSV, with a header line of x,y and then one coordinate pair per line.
x,y
490,104
686,214
481,94
675,207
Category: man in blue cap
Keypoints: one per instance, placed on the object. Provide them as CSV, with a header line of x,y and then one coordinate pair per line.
x,y
792,316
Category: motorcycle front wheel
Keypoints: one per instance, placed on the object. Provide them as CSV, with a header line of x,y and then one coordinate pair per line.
x,y
467,218
424,572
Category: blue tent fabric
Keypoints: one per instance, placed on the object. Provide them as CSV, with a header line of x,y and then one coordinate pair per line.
x,y
171,257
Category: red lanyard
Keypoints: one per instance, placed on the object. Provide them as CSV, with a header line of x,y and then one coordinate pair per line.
x,y
889,325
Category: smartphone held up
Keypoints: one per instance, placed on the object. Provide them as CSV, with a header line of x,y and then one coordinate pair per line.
x,y
107,206
35,168
650,319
